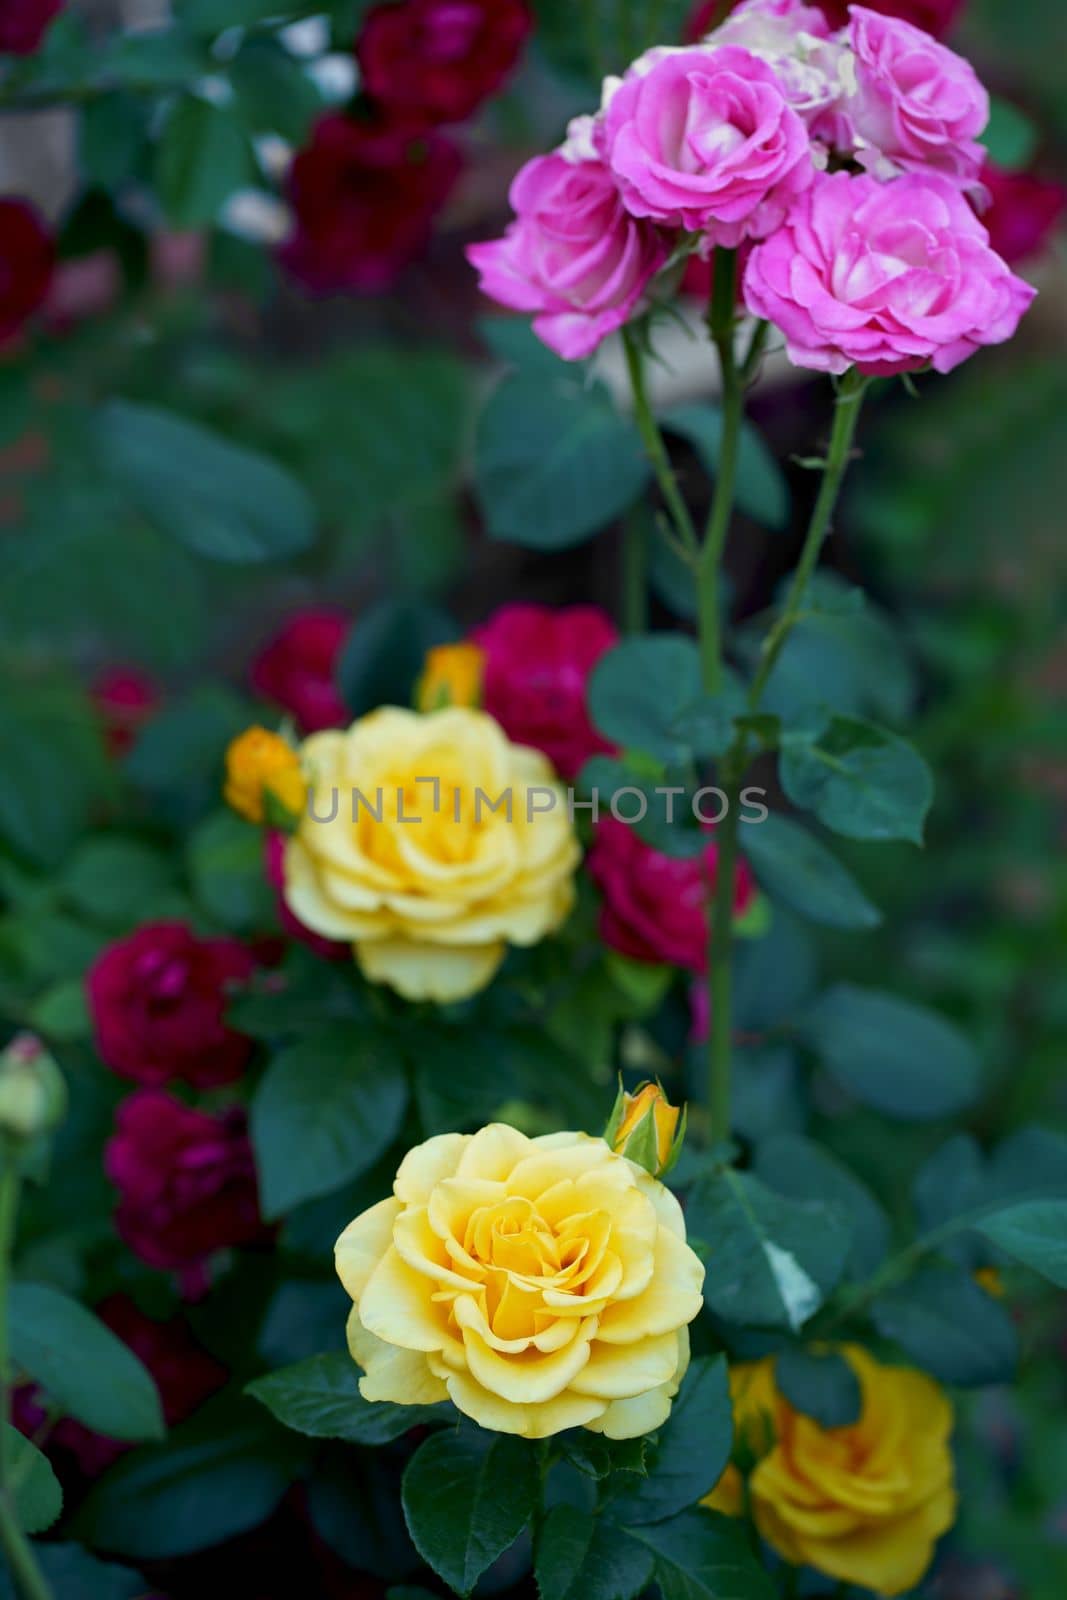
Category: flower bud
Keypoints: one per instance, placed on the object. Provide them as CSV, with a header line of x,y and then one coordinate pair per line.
x,y
647,1129
451,676
264,782
33,1093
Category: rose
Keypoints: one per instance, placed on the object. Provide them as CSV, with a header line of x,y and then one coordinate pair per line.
x,y
863,1503
158,999
125,698
933,16
704,139
573,255
263,777
1023,213
537,665
886,276
402,852
539,1284
296,669
655,907
364,194
23,24
794,39
27,261
644,1126
437,60
917,106
451,676
186,1180
274,866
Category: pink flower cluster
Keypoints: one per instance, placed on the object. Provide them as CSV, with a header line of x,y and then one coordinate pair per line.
x,y
845,163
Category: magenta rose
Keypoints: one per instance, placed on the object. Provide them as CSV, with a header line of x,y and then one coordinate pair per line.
x,y
23,24
655,907
573,256
917,106
158,1001
186,1181
1023,214
364,195
537,666
437,60
125,699
296,670
888,277
27,262
705,140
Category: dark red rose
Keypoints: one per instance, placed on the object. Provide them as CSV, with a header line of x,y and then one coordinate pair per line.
x,y
437,60
935,16
364,195
296,670
329,949
158,999
27,261
23,24
537,666
655,906
1024,213
125,698
186,1180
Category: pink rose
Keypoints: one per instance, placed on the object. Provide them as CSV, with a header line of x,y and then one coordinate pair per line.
x,y
158,1000
705,140
812,68
573,254
537,666
186,1181
917,106
296,670
656,906
1023,213
885,276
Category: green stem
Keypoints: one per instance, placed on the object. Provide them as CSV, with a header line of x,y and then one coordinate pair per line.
x,y
634,609
28,1580
655,448
720,962
721,324
754,354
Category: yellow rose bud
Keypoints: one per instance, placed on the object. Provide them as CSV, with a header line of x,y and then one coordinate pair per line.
x,y
431,843
33,1091
263,778
451,676
864,1503
540,1284
647,1129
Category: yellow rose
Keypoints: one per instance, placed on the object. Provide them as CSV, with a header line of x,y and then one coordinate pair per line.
x,y
451,676
261,768
401,852
540,1284
864,1503
644,1126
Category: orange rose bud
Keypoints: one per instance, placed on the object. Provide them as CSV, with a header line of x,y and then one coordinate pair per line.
x,y
264,782
647,1129
451,676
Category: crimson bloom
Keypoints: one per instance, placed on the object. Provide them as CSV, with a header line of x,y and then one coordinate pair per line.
x,y
125,698
27,261
158,1000
23,24
1024,212
437,60
296,670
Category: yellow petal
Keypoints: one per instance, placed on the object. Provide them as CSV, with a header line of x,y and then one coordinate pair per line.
x,y
618,1372
401,1376
427,1164
363,1244
629,1419
673,1296
396,1306
566,1410
492,1153
422,971
530,1378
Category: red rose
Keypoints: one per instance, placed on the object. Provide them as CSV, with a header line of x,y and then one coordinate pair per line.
x,y
1024,213
436,60
537,665
186,1180
125,698
364,196
655,906
296,670
27,260
158,999
23,23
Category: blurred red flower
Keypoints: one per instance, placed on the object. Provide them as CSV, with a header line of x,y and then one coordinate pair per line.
x,y
296,669
934,16
125,697
27,261
1024,214
436,60
23,24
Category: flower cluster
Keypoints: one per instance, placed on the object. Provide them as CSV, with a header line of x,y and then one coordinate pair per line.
x,y
845,164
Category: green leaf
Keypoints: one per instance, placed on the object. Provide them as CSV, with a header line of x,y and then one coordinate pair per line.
x,y
386,650
947,1324
690,1452
178,759
112,134
703,1556
467,1496
220,499
320,1397
771,1261
794,867
598,1456
53,773
803,1170
1034,1233
762,492
354,1504
583,1557
218,1475
1011,137
71,1570
203,157
114,880
324,1112
87,1371
62,1012
891,1054
822,1386
274,92
37,1491
227,873
463,1078
859,780
639,689
554,462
